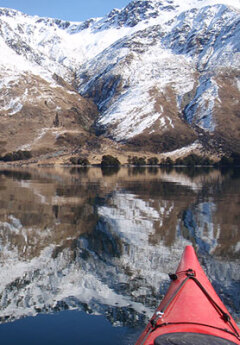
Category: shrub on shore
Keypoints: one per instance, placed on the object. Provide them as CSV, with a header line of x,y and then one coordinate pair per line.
x,y
109,161
79,161
152,161
16,156
169,161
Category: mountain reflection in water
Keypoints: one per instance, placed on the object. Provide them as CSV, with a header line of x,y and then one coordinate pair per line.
x,y
103,242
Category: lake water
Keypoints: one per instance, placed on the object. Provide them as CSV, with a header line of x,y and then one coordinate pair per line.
x,y
85,253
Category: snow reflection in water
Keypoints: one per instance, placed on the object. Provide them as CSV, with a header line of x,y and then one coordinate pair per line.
x,y
104,244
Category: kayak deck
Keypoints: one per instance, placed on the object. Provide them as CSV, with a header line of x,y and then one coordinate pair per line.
x,y
190,339
191,312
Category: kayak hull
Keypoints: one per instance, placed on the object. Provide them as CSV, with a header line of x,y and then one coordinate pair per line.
x,y
191,308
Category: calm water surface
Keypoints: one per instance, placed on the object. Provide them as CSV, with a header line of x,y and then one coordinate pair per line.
x,y
85,253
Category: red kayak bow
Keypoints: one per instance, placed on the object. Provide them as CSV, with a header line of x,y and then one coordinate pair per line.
x,y
191,313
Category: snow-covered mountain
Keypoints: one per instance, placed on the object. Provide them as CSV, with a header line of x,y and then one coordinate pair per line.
x,y
162,74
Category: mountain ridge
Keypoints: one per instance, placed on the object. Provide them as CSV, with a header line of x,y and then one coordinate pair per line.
x,y
156,75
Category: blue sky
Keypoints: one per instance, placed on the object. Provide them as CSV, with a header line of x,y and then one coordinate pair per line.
x,y
75,10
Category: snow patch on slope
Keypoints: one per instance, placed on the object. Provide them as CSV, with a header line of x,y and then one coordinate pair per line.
x,y
128,114
183,151
200,109
187,4
13,106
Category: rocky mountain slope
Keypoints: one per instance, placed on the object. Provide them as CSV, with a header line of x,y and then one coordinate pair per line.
x,y
156,75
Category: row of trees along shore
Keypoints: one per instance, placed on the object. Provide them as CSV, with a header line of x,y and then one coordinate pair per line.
x,y
190,160
111,161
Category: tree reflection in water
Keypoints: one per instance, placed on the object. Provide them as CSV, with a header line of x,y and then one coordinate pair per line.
x,y
104,241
